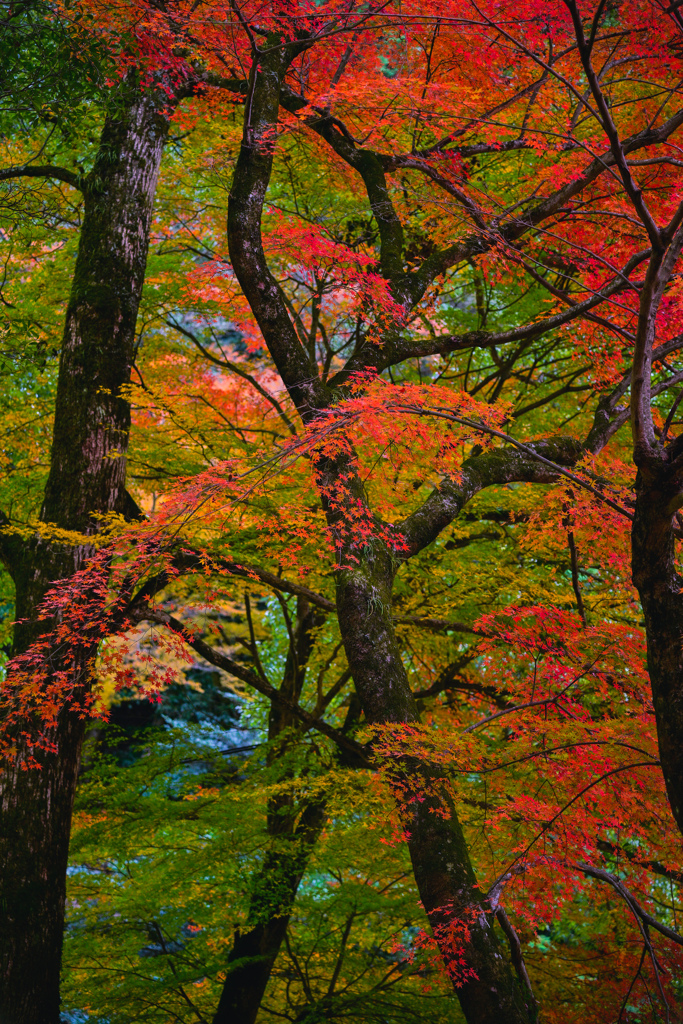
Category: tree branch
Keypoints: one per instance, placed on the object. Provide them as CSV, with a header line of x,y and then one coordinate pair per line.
x,y
237,370
447,344
252,679
619,156
188,563
655,866
634,906
500,466
76,181
517,957
245,208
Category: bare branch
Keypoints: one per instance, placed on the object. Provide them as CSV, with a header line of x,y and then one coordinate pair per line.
x,y
516,955
634,906
45,171
235,368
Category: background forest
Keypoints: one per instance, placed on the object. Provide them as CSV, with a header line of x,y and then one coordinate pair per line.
x,y
340,465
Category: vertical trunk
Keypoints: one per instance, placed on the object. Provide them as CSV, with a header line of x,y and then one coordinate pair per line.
x,y
488,991
660,587
274,890
87,476
293,833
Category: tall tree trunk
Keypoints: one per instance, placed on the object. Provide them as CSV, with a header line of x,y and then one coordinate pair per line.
x,y
660,586
274,890
86,478
659,495
293,832
460,918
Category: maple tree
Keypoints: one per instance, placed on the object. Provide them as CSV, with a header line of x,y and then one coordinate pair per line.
x,y
450,235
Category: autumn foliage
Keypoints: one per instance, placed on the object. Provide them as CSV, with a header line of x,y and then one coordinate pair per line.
x,y
379,481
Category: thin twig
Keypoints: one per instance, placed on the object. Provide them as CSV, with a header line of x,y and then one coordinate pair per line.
x,y
575,577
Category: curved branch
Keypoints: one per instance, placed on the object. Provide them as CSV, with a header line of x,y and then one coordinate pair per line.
x,y
189,563
76,181
245,208
530,450
634,906
655,866
517,956
236,369
537,462
446,502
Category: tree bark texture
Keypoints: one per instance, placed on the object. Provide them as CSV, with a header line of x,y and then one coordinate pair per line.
x,y
659,493
86,478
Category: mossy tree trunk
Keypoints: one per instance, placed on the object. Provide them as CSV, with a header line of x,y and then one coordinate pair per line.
x,y
86,479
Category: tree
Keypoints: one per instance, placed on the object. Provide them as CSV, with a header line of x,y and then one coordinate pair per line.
x,y
656,457
86,479
440,860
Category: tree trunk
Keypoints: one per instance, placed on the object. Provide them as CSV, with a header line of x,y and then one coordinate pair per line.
x,y
274,890
658,496
86,478
293,833
461,921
